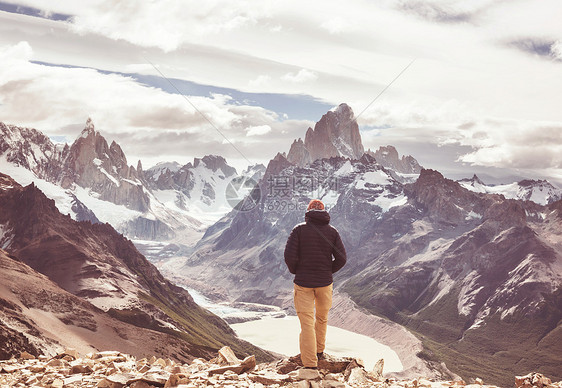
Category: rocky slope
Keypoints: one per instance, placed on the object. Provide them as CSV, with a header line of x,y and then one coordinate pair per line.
x,y
387,156
38,317
99,265
115,369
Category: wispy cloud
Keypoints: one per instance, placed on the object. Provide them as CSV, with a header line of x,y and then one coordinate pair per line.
x,y
546,48
437,12
303,75
258,130
148,121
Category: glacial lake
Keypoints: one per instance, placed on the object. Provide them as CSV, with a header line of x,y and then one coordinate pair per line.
x,y
281,334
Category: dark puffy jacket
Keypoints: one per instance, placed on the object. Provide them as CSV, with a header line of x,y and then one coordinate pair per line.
x,y
309,251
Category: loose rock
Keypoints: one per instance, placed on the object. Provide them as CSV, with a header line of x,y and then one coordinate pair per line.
x,y
117,370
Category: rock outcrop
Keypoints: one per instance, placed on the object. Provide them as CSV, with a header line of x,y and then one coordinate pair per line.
x,y
388,157
335,135
91,163
298,154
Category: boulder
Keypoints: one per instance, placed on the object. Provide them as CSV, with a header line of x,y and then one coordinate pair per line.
x,y
329,364
532,380
57,383
26,356
358,376
376,373
227,356
248,364
307,374
269,378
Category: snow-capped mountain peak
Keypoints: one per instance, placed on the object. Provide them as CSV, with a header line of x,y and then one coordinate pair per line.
x,y
539,191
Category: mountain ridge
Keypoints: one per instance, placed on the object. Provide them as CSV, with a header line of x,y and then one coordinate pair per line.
x,y
91,176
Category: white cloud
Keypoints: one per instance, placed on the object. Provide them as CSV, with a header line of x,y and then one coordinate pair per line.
x,y
336,25
167,23
146,121
303,75
260,81
258,130
21,51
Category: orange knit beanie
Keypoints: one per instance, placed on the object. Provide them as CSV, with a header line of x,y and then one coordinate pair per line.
x,y
315,204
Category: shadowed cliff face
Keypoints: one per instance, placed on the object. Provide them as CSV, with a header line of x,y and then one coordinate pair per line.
x,y
97,264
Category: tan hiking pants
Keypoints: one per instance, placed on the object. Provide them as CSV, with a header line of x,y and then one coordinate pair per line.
x,y
312,339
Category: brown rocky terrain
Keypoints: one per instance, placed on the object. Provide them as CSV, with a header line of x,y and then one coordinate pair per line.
x,y
38,317
117,370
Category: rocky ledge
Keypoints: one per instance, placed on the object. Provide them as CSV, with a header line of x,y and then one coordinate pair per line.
x,y
113,369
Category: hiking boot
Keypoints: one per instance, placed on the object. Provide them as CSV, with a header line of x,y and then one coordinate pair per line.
x,y
320,356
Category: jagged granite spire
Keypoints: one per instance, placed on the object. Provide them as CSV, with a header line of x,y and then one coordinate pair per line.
x,y
336,134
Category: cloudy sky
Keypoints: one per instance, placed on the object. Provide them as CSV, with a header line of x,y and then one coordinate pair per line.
x,y
484,93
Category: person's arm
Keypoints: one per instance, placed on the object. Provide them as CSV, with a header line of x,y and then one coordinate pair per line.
x,y
292,251
338,251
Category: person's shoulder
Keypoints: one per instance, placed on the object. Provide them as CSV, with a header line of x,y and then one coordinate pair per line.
x,y
298,226
334,229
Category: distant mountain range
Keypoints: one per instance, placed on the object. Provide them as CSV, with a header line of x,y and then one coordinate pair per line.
x,y
538,191
91,180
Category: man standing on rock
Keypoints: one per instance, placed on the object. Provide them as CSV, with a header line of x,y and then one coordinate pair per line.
x,y
314,251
